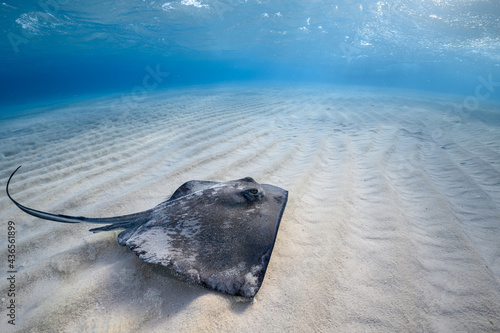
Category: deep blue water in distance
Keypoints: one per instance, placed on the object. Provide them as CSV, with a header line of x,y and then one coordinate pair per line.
x,y
60,49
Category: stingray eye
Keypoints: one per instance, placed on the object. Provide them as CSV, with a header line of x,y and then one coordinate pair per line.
x,y
252,194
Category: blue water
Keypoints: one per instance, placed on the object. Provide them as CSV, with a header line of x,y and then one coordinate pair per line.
x,y
60,49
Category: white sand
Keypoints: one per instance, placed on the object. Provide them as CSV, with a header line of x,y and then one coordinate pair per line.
x,y
392,223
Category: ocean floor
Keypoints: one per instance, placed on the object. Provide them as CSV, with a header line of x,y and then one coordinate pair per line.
x,y
392,222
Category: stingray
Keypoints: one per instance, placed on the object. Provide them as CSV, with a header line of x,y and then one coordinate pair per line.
x,y
216,234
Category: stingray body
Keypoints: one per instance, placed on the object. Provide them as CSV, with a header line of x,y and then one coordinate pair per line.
x,y
219,235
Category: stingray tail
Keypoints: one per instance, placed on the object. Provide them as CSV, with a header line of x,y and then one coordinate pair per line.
x,y
116,222
125,225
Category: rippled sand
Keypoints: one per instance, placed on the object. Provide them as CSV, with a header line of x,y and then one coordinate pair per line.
x,y
392,223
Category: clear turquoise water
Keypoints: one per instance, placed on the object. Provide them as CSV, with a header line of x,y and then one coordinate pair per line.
x,y
59,49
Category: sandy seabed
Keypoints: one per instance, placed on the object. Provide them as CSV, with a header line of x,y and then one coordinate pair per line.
x,y
392,222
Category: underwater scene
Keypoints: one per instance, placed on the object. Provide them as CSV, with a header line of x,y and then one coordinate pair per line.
x,y
250,166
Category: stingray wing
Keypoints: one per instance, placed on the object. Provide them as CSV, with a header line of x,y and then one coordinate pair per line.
x,y
187,188
218,245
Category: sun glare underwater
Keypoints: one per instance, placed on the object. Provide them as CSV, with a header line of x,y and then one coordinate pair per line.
x,y
61,49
